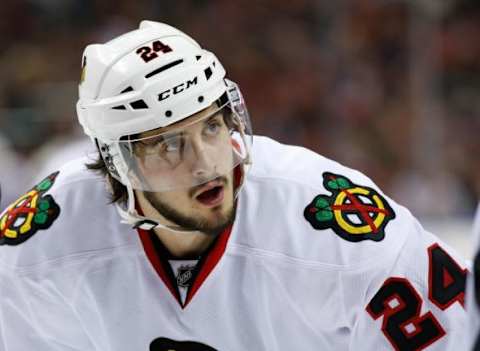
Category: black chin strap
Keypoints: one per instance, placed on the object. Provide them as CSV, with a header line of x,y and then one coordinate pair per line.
x,y
150,224
145,224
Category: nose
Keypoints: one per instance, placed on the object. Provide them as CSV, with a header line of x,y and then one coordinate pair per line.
x,y
203,164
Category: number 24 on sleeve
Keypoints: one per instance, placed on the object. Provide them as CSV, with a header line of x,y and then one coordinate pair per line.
x,y
400,304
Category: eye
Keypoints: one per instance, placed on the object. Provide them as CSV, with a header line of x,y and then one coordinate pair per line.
x,y
213,126
171,144
160,145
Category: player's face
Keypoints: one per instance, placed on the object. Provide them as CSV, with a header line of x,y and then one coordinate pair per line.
x,y
196,153
208,208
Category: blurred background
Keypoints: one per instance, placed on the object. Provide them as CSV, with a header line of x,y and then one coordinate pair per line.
x,y
387,87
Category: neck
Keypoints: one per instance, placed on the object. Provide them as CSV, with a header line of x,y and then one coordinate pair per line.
x,y
188,244
179,244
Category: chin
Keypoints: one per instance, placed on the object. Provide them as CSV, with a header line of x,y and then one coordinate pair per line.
x,y
206,219
219,220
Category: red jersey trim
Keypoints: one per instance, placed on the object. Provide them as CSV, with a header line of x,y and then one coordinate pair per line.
x,y
213,257
207,263
155,261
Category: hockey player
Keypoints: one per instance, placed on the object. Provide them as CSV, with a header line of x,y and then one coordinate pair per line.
x,y
473,290
212,239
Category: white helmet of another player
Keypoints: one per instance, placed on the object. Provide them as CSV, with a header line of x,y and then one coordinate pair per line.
x,y
148,79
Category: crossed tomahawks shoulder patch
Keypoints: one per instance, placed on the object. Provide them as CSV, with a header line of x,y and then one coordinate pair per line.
x,y
354,212
30,213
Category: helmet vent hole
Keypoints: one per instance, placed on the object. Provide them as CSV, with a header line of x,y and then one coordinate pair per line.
x,y
168,113
208,73
126,90
201,98
120,107
163,68
198,57
139,105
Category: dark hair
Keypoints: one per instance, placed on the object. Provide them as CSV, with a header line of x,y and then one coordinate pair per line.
x,y
118,190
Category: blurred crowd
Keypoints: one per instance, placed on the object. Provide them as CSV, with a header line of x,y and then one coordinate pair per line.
x,y
387,87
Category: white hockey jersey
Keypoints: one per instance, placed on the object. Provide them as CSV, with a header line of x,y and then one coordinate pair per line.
x,y
473,289
318,258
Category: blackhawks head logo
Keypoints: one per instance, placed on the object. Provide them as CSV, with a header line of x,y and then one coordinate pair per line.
x,y
354,212
29,214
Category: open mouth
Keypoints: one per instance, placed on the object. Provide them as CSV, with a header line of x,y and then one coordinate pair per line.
x,y
212,196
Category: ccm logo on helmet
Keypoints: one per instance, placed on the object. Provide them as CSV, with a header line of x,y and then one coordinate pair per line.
x,y
177,89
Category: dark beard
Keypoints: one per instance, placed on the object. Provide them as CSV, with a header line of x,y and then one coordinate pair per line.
x,y
190,223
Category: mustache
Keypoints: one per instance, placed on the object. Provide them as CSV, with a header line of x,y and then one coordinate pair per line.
x,y
222,179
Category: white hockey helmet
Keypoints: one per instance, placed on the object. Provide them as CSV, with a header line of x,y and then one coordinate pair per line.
x,y
145,79
148,79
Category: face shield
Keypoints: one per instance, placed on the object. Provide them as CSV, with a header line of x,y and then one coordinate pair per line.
x,y
193,151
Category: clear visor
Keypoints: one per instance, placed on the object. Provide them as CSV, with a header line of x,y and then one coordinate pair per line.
x,y
196,150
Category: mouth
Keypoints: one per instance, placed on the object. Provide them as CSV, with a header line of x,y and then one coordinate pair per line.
x,y
211,194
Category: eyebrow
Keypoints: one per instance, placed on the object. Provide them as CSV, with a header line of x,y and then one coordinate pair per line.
x,y
216,114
